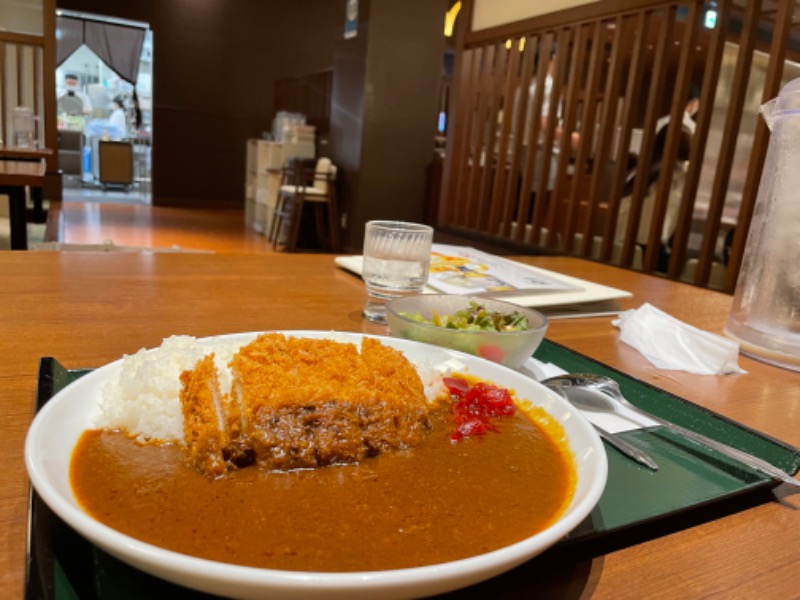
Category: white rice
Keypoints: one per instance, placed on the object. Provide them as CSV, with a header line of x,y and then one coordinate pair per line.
x,y
144,399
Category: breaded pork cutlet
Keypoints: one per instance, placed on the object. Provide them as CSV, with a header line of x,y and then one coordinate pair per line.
x,y
205,436
301,403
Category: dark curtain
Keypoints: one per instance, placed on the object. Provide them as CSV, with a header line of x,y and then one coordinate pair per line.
x,y
69,38
118,46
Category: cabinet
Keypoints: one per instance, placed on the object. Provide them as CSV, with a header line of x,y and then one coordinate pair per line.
x,y
115,163
265,160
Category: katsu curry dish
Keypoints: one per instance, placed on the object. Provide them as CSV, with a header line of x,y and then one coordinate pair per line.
x,y
309,454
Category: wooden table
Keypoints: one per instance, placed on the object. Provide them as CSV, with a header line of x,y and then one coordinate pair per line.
x,y
15,176
17,153
30,155
88,309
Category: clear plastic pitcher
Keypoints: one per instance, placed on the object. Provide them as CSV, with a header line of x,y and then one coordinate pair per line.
x,y
765,316
24,122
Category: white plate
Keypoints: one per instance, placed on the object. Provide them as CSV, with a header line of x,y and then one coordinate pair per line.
x,y
56,429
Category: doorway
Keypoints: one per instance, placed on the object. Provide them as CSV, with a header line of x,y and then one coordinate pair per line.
x,y
104,82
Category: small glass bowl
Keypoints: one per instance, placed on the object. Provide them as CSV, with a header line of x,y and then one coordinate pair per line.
x,y
509,348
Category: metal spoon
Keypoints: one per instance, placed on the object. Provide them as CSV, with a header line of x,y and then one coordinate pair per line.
x,y
617,442
583,388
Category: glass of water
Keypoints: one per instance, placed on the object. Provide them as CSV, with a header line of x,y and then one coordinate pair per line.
x,y
397,258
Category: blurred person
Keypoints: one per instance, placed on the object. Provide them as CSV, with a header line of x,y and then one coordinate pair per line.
x,y
117,118
652,174
689,112
135,113
72,88
537,146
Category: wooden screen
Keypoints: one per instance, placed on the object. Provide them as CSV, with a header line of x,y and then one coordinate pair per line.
x,y
22,81
557,139
27,78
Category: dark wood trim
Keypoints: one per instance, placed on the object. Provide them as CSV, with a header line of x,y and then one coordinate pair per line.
x,y
37,72
25,38
49,84
454,147
3,111
467,158
20,71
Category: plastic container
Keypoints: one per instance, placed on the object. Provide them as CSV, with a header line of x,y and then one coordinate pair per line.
x,y
765,315
86,160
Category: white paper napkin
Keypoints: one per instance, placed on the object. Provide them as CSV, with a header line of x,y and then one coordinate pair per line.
x,y
669,343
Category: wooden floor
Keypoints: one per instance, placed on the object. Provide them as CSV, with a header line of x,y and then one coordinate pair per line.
x,y
215,230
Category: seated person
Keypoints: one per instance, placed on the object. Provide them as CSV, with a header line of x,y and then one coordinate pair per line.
x,y
673,202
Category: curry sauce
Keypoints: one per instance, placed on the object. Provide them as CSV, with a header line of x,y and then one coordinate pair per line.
x,y
436,502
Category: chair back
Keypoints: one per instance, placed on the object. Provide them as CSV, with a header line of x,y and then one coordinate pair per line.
x,y
298,172
324,173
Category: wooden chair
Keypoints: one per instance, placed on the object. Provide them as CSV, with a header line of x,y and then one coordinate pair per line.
x,y
301,183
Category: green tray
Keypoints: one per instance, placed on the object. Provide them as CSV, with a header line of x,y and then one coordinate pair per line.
x,y
692,485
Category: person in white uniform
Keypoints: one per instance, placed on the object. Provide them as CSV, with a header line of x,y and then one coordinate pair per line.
x,y
117,119
72,89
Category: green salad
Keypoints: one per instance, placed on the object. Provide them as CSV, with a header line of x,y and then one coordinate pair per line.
x,y
476,318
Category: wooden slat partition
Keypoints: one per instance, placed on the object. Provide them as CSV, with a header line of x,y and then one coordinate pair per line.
x,y
637,67
783,26
681,92
619,66
497,206
728,147
543,219
711,69
30,81
605,132
658,69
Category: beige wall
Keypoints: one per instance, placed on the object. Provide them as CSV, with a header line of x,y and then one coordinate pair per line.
x,y
22,16
490,13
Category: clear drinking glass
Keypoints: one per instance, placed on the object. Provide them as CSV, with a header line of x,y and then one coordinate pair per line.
x,y
397,258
